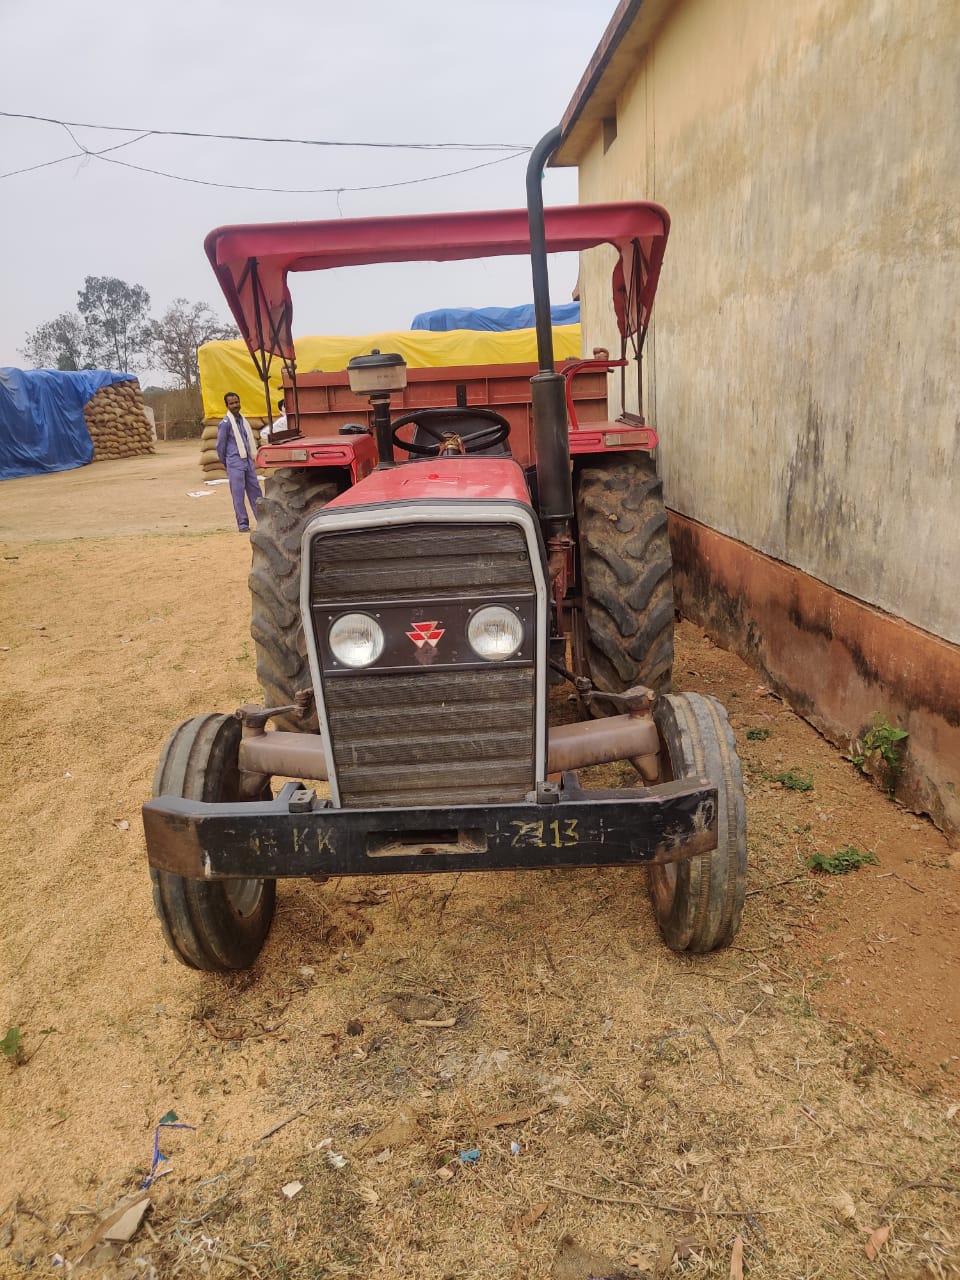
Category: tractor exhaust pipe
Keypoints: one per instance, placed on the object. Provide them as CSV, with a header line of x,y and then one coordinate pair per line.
x,y
554,482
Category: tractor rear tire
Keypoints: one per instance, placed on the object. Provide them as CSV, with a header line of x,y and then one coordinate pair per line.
x,y
698,902
215,925
624,633
291,498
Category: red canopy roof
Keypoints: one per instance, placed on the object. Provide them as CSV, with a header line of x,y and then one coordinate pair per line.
x,y
252,262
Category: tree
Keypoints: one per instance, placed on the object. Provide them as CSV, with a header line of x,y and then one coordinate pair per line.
x,y
57,344
117,325
184,327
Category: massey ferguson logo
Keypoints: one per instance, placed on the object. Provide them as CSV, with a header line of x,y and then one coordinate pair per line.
x,y
425,635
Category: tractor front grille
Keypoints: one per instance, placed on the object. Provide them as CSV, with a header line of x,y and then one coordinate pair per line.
x,y
433,738
417,561
426,735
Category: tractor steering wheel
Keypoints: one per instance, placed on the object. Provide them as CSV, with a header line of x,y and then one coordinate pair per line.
x,y
440,425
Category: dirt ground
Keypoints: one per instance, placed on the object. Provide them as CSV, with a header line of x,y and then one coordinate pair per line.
x,y
457,1076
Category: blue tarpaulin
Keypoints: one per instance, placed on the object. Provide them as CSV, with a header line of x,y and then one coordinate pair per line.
x,y
42,427
497,319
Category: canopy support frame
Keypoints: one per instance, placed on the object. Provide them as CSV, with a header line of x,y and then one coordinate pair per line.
x,y
633,336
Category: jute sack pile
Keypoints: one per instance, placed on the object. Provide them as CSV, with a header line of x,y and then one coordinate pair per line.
x,y
117,423
209,462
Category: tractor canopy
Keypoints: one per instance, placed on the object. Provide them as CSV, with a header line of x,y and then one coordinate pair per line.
x,y
252,262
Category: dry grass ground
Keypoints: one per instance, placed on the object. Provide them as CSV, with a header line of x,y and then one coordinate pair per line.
x,y
792,1101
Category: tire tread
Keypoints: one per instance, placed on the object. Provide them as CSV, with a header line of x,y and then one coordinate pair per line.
x,y
626,574
196,917
276,626
699,902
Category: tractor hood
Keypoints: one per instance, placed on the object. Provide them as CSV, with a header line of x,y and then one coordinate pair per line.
x,y
454,479
252,262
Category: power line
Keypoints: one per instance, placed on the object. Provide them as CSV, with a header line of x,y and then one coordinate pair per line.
x,y
305,191
69,126
300,142
75,155
233,186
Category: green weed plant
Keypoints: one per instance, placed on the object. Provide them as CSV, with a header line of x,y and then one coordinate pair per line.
x,y
841,862
882,741
791,780
12,1046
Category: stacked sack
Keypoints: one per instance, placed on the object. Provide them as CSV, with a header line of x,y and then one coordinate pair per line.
x,y
209,462
117,423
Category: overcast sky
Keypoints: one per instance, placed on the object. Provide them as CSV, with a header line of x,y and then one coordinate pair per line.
x,y
473,71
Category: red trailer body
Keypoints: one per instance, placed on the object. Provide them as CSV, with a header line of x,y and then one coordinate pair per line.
x,y
327,405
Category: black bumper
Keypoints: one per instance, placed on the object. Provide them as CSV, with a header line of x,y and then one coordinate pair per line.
x,y
298,835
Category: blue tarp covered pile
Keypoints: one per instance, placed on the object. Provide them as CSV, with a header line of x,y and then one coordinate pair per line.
x,y
496,319
42,427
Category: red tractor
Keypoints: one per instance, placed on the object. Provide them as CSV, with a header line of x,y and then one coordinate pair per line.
x,y
409,617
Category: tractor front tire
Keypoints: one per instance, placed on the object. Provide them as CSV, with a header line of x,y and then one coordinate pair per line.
x,y
216,925
624,633
291,498
698,902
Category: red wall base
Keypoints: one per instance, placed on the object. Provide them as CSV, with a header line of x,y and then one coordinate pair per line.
x,y
837,661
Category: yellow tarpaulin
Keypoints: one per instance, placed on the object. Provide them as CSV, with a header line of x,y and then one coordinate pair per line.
x,y
227,366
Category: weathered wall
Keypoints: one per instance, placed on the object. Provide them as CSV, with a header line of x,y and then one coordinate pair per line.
x,y
837,661
804,364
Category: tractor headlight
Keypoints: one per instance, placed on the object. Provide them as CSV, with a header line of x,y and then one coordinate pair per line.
x,y
495,632
356,640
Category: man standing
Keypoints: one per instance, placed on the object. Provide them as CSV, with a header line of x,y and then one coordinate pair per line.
x,y
279,425
237,449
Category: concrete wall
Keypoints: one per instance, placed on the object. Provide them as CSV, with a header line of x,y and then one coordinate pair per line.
x,y
804,363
